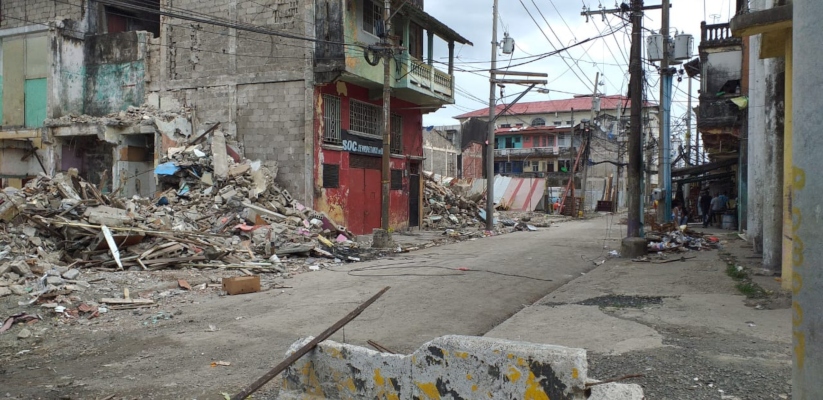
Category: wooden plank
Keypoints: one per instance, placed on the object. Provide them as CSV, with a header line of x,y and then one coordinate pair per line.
x,y
307,348
126,301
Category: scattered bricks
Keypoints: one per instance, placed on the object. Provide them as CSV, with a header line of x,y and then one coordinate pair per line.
x,y
71,274
21,268
109,216
54,280
18,289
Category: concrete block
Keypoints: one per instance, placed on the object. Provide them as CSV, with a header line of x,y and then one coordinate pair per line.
x,y
447,367
617,391
109,216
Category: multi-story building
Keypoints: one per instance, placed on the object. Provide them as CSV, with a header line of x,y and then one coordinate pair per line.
x,y
543,138
291,82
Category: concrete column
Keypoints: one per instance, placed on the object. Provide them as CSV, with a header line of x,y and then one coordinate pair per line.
x,y
773,187
787,168
807,189
756,146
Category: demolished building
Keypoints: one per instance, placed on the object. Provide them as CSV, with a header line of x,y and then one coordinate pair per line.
x,y
107,87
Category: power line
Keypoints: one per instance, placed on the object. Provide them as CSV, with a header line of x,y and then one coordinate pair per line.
x,y
550,42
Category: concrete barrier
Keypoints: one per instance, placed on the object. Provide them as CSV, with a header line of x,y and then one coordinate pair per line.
x,y
449,367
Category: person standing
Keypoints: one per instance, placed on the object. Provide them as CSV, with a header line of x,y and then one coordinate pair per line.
x,y
717,208
706,207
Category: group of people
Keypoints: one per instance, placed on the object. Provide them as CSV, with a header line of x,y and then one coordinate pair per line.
x,y
709,207
712,206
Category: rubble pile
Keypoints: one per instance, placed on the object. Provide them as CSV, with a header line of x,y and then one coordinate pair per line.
x,y
672,238
145,114
211,211
443,208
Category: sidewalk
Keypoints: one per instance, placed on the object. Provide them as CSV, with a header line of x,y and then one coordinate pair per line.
x,y
684,325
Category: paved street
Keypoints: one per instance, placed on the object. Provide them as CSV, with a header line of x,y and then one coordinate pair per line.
x,y
428,299
170,358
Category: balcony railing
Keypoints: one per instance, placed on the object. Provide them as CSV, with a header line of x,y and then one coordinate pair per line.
x,y
424,76
717,35
534,151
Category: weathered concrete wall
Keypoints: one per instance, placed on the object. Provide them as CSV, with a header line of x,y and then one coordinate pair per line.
x,y
773,189
17,13
807,182
447,367
440,153
115,72
259,87
756,146
270,122
473,161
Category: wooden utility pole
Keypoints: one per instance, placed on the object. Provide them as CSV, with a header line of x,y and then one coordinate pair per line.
x,y
689,124
635,167
490,134
588,146
386,168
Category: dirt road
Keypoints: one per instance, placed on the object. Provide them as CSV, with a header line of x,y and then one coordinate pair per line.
x,y
167,351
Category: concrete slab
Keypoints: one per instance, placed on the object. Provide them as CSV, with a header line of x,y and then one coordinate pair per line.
x,y
578,326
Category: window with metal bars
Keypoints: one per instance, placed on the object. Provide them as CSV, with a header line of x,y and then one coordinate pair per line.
x,y
365,118
396,134
331,176
397,179
331,119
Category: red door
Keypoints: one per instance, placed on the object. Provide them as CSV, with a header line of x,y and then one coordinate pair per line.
x,y
357,188
364,200
372,203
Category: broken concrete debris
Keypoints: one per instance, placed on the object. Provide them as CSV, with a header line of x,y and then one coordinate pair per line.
x,y
444,208
673,238
61,231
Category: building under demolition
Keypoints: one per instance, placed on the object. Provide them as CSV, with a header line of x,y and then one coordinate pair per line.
x,y
107,86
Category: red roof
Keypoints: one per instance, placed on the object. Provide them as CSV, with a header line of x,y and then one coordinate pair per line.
x,y
532,129
582,103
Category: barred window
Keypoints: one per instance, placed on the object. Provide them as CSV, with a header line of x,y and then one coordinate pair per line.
x,y
331,119
396,134
397,179
538,122
365,118
331,176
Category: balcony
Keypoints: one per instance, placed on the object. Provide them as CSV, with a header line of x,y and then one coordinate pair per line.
x,y
425,79
534,151
717,35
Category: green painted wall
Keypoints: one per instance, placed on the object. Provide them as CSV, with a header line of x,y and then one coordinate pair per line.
x,y
114,87
36,101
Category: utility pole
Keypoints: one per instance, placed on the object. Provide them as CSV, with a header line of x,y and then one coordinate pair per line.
x,y
588,146
633,245
490,135
689,124
664,213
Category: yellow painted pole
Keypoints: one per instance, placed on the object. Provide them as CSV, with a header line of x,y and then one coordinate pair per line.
x,y
787,170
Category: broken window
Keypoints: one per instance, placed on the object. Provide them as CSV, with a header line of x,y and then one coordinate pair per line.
x,y
365,118
397,179
331,176
564,165
331,119
372,17
127,20
396,142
